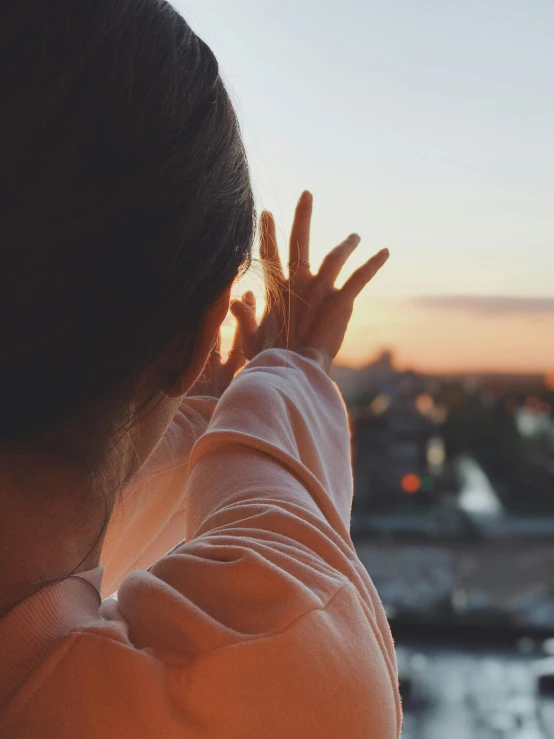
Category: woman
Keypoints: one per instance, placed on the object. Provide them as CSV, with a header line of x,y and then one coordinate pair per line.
x,y
126,215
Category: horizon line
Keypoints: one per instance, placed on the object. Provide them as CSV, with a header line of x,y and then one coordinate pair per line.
x,y
455,371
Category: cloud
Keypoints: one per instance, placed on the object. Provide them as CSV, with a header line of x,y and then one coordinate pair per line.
x,y
487,305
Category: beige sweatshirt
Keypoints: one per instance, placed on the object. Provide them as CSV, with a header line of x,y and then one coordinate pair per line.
x,y
263,624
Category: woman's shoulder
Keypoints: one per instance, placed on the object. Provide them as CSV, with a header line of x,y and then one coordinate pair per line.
x,y
322,671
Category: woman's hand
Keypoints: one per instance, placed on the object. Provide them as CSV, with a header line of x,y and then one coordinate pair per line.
x,y
217,375
307,314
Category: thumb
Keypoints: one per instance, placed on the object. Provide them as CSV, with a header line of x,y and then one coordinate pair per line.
x,y
245,316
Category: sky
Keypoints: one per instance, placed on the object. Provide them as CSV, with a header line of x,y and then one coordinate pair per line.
x,y
427,128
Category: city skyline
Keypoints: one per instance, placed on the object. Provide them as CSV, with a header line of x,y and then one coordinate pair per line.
x,y
426,128
410,330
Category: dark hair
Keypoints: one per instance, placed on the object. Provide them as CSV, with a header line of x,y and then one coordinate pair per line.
x,y
125,200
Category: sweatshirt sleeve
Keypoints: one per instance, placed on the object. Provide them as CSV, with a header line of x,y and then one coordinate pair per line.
x,y
282,409
275,465
148,520
267,603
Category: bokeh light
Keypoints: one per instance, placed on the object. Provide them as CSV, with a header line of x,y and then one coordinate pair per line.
x,y
438,414
424,403
427,484
410,484
436,453
379,404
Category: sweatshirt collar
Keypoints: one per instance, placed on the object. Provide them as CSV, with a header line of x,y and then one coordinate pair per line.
x,y
29,630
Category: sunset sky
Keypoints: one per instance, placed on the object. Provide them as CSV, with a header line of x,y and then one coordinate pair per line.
x,y
427,128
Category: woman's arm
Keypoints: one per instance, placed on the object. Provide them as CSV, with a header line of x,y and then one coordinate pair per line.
x,y
276,458
267,597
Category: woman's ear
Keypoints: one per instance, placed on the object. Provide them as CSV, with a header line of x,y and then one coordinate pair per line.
x,y
206,340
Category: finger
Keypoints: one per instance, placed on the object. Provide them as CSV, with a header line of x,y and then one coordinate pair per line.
x,y
247,324
359,279
269,250
237,339
335,260
244,315
236,357
250,299
300,234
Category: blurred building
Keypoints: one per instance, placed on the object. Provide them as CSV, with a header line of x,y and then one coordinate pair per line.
x,y
393,429
390,450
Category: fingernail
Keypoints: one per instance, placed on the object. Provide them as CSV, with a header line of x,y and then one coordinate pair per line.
x,y
355,238
249,296
385,253
306,197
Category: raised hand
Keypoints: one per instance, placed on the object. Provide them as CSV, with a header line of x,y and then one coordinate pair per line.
x,y
304,312
217,375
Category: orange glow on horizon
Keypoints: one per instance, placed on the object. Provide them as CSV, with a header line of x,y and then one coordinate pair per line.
x,y
428,340
432,340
